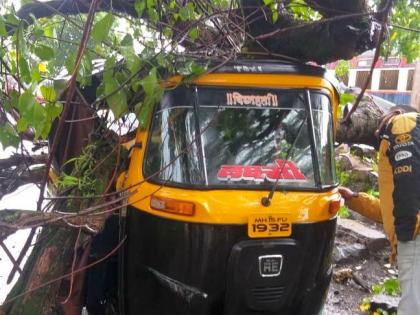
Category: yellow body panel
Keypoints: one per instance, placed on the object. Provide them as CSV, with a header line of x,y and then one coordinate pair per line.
x,y
233,206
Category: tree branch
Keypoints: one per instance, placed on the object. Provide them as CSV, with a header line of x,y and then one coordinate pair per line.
x,y
12,220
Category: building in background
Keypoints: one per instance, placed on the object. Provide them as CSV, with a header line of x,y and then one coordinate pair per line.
x,y
392,78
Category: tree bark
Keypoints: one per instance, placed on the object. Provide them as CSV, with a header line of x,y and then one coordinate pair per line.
x,y
18,170
346,29
55,247
363,123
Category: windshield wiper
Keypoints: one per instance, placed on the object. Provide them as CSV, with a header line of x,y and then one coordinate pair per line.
x,y
266,201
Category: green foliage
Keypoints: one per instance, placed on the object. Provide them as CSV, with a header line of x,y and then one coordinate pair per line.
x,y
346,98
274,10
344,177
44,52
342,68
102,27
301,11
390,286
142,54
8,136
344,212
373,192
82,177
403,41
3,31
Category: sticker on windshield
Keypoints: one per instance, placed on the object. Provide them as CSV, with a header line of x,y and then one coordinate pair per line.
x,y
236,98
281,170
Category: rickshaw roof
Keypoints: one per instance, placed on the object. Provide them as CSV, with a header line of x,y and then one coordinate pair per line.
x,y
273,67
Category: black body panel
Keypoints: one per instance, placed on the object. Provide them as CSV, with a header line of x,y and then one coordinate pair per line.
x,y
174,267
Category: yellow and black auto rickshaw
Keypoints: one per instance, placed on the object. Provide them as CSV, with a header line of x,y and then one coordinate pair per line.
x,y
233,203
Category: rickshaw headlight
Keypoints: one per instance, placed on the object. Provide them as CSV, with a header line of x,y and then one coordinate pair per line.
x,y
172,205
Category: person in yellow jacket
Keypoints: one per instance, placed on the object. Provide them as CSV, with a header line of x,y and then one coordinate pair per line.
x,y
399,199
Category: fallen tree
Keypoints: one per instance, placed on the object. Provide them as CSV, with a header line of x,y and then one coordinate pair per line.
x,y
345,28
84,151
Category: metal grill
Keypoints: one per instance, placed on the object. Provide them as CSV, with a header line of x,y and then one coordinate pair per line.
x,y
410,79
389,80
361,77
268,294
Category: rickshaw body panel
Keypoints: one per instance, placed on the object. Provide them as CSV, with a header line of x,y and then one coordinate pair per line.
x,y
206,263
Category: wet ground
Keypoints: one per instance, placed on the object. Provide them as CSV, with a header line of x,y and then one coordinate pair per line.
x,y
369,267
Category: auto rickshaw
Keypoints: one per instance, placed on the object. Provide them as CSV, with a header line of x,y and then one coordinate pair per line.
x,y
232,194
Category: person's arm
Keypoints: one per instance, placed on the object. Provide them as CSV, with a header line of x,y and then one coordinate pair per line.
x,y
362,203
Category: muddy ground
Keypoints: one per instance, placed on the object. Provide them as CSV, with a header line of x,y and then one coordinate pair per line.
x,y
369,265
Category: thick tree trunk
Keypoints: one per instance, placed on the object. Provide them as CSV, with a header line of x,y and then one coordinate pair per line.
x,y
53,253
54,250
50,259
363,123
346,28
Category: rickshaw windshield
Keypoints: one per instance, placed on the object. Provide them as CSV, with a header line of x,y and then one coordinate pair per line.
x,y
241,138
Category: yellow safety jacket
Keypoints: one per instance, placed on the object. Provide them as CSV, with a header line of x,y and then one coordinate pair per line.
x,y
399,181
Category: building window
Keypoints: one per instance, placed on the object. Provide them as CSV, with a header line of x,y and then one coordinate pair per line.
x,y
410,79
389,80
361,77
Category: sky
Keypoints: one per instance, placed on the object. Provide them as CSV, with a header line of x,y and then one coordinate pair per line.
x,y
24,198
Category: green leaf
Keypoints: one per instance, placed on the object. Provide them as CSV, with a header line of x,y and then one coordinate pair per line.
x,y
24,71
44,52
35,75
187,12
191,68
140,6
109,68
49,30
392,286
48,93
342,68
12,19
34,113
8,136
346,98
101,28
118,100
21,125
53,110
37,32
152,88
26,102
344,212
150,83
377,288
143,111
275,16
193,33
133,62
85,68
151,3
3,31
127,40
67,181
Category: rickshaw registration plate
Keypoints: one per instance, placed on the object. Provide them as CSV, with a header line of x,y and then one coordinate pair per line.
x,y
269,225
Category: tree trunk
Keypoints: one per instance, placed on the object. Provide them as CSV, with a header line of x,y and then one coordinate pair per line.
x,y
363,123
53,253
345,30
49,260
